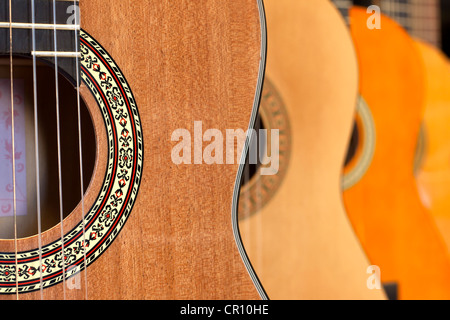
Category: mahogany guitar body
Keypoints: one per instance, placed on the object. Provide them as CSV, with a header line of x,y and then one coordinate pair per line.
x,y
299,239
395,229
174,62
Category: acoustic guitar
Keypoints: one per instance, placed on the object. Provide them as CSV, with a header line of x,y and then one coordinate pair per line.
x,y
433,166
292,222
94,203
395,229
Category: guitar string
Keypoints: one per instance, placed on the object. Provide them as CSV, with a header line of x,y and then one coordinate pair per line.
x,y
58,137
36,144
76,40
11,71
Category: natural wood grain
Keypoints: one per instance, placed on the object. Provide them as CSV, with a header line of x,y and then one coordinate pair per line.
x,y
185,61
301,243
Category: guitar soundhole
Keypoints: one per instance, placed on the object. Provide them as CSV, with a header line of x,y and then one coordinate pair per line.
x,y
353,147
25,148
251,169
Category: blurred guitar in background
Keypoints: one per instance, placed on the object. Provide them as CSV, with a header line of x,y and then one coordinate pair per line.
x,y
433,156
293,224
396,230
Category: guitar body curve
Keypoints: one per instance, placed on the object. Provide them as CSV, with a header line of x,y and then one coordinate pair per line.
x,y
433,172
299,240
395,229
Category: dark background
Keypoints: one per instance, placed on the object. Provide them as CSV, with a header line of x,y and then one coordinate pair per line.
x,y
445,18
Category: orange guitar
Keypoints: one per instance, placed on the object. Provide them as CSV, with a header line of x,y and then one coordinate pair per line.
x,y
395,229
433,176
433,172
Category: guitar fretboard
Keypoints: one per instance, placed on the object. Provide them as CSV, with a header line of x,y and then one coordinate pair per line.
x,y
54,31
343,6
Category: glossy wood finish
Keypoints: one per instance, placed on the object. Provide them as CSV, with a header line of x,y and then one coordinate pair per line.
x,y
395,229
185,61
301,243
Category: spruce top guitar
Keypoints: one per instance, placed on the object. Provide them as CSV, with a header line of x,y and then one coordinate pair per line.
x,y
394,227
129,222
293,224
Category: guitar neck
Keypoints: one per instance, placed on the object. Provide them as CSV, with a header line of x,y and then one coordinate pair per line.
x,y
343,7
421,18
